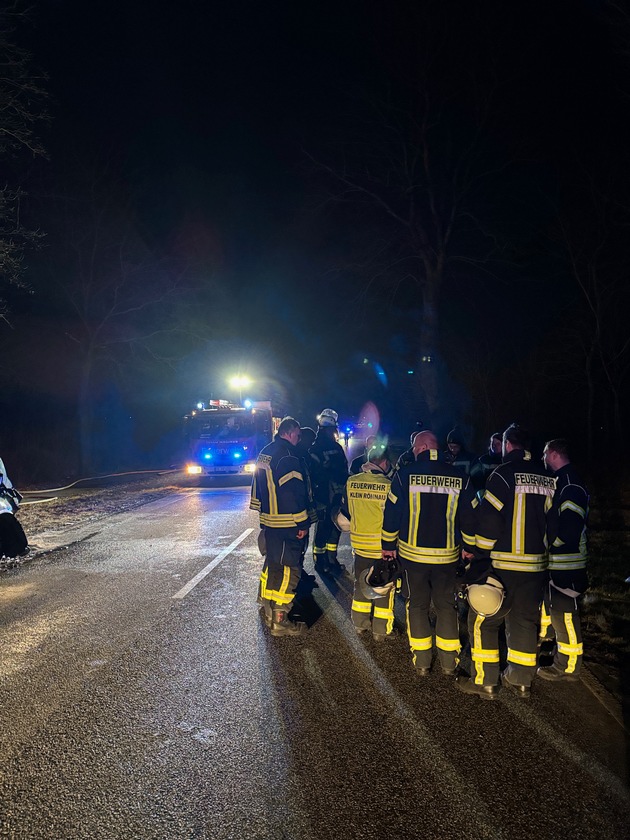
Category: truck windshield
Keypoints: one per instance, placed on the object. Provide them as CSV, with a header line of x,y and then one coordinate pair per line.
x,y
226,428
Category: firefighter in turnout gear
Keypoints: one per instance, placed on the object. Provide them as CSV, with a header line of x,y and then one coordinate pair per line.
x,y
329,472
279,494
363,504
566,533
429,511
511,546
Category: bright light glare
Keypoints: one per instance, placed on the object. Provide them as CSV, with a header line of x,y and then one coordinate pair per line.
x,y
240,381
193,469
250,468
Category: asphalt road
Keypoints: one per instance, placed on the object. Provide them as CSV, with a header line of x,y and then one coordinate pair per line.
x,y
135,705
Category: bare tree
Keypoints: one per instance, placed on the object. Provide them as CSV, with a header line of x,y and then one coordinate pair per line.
x,y
22,110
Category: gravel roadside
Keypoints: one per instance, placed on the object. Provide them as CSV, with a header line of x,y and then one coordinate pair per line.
x,y
79,506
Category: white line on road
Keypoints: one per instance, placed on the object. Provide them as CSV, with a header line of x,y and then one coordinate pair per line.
x,y
201,575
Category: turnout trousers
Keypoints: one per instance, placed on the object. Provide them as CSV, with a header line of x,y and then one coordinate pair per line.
x,y
326,538
520,611
281,570
377,615
425,583
561,610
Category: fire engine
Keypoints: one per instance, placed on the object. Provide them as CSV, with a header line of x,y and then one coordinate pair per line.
x,y
225,439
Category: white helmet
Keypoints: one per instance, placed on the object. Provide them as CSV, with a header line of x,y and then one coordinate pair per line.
x,y
379,579
486,598
328,417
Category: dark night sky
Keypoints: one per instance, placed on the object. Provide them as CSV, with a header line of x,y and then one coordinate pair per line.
x,y
209,110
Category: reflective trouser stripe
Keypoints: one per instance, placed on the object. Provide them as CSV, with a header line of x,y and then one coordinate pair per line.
x,y
362,606
479,654
575,648
545,621
421,644
319,549
281,596
264,592
448,644
519,657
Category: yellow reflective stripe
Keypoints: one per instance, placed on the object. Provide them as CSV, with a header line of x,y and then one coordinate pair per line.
x,y
448,644
577,647
332,546
283,520
415,502
289,476
383,612
362,606
281,596
426,554
568,505
271,490
518,523
520,657
483,542
545,620
451,510
421,644
254,503
484,655
264,592
476,646
363,543
318,550
557,542
496,503
469,539
389,536
516,564
391,497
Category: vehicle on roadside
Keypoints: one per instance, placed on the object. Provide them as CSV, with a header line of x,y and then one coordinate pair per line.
x,y
222,438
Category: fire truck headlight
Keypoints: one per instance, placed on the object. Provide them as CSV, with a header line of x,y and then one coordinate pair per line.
x,y
250,468
193,469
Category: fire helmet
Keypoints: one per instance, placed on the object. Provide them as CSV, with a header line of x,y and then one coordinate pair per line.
x,y
379,579
328,417
486,598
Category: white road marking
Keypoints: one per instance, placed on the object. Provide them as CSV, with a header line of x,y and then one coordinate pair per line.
x,y
205,571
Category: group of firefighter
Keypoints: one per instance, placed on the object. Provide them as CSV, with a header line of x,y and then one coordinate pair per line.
x,y
505,532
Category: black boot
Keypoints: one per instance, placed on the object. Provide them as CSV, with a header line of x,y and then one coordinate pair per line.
x,y
282,626
468,686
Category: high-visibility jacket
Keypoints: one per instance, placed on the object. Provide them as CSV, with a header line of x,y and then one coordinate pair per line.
x,y
364,500
429,511
512,520
279,491
566,522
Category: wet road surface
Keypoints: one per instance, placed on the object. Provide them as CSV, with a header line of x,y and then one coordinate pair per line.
x,y
136,705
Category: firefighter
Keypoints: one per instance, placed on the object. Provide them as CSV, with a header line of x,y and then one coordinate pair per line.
x,y
456,452
566,534
483,465
357,463
511,552
363,503
329,473
280,496
429,511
